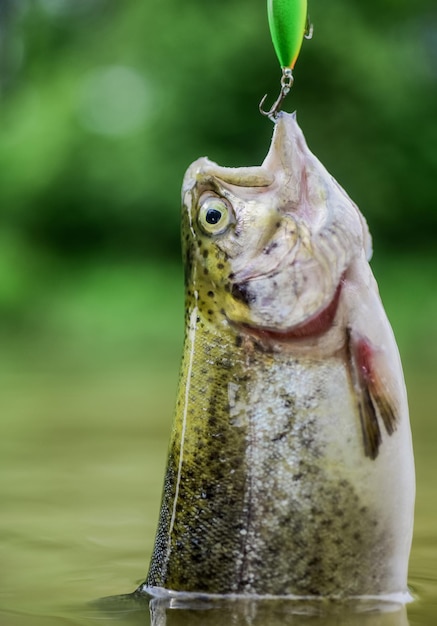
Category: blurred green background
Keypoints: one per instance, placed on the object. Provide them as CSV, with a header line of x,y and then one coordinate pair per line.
x,y
103,105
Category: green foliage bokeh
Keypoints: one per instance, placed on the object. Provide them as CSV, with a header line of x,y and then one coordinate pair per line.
x,y
104,103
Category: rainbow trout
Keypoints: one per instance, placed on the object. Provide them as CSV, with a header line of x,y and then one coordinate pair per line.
x,y
290,470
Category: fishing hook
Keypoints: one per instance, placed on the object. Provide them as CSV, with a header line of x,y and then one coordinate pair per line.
x,y
309,28
286,84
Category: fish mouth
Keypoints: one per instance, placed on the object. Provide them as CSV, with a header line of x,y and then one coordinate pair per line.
x,y
316,325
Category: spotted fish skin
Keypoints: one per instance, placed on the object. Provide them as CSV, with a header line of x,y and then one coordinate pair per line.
x,y
290,468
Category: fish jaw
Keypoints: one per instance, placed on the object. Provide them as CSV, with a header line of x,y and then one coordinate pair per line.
x,y
302,182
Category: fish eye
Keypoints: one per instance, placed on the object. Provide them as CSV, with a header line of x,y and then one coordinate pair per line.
x,y
215,215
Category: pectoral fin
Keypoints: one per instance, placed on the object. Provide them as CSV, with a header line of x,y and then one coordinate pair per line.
x,y
369,423
374,398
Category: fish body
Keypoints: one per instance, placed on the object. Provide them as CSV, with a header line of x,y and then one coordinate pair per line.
x,y
290,469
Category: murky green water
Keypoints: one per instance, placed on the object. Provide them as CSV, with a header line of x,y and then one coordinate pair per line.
x,y
83,439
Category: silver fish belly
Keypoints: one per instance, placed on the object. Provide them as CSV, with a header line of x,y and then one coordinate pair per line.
x,y
290,470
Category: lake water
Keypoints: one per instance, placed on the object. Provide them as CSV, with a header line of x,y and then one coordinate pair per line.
x,y
83,438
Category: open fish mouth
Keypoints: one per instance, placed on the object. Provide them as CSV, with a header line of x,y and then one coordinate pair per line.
x,y
314,326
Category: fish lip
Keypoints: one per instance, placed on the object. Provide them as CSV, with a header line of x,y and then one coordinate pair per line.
x,y
318,324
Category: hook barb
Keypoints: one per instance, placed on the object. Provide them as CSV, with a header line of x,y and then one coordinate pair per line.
x,y
309,28
286,84
275,108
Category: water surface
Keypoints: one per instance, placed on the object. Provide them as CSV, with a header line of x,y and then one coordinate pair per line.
x,y
83,438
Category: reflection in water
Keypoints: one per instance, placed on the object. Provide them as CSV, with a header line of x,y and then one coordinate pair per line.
x,y
276,613
180,611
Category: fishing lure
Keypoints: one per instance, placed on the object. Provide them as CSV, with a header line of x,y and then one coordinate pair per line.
x,y
290,468
289,23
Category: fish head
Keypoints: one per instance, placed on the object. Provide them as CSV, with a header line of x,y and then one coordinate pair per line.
x,y
267,247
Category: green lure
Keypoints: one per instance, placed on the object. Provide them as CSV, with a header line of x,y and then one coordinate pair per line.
x,y
288,25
